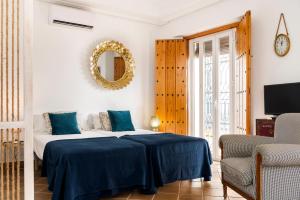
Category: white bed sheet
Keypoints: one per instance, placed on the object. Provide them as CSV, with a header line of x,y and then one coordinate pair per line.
x,y
41,139
122,133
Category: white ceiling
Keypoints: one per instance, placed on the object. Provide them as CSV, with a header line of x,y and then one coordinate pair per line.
x,y
156,12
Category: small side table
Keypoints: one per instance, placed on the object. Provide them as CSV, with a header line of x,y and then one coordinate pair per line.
x,y
265,127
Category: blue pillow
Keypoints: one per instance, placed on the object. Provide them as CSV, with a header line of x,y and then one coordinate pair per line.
x,y
64,123
120,121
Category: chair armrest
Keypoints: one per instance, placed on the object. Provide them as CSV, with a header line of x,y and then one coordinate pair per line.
x,y
279,154
241,145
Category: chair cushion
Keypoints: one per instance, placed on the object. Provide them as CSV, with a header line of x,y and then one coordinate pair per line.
x,y
239,169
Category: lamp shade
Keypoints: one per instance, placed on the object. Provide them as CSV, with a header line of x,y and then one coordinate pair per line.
x,y
154,122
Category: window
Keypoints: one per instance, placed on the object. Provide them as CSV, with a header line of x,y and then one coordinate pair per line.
x,y
212,87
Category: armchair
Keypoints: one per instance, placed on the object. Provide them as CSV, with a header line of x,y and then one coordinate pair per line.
x,y
264,168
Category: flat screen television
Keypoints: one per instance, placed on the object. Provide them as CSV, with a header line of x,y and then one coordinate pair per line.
x,y
282,98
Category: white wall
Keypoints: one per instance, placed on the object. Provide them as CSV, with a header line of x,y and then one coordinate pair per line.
x,y
62,79
61,56
267,68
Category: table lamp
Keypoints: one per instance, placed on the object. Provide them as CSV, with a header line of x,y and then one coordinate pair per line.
x,y
154,123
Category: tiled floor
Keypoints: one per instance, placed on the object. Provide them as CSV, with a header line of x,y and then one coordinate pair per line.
x,y
181,190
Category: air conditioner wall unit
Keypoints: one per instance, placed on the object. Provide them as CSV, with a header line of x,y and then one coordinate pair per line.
x,y
68,16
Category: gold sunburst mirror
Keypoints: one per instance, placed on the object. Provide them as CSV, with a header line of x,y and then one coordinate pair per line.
x,y
112,65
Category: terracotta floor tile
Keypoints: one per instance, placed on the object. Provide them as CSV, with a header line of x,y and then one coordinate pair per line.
x,y
212,186
166,196
42,196
170,188
138,196
40,180
41,188
213,198
114,198
191,197
191,191
232,193
213,192
216,177
193,184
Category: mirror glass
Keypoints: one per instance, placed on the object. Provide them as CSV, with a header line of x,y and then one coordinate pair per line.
x,y
111,65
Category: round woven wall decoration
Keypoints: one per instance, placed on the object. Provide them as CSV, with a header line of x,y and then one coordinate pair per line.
x,y
120,49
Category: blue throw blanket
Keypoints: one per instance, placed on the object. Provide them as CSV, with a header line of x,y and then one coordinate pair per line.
x,y
175,157
85,169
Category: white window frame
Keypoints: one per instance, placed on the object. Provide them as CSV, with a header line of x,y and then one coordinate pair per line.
x,y
192,104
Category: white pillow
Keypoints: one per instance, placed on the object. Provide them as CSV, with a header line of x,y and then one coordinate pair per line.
x,y
96,121
83,122
39,124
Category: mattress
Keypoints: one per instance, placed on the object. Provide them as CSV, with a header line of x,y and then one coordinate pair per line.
x,y
42,138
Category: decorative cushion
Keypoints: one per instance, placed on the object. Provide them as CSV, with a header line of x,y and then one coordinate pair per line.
x,y
104,121
96,121
48,123
120,121
239,169
39,124
64,123
82,122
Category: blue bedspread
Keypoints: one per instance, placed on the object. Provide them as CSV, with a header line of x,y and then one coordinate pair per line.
x,y
85,169
175,157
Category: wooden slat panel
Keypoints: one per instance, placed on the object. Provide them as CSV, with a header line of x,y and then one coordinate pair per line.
x,y
10,166
170,85
11,92
181,87
160,88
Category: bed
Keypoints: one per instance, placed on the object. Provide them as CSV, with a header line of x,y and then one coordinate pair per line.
x,y
174,157
89,168
157,159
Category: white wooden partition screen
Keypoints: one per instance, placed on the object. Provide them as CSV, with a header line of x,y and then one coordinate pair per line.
x,y
16,144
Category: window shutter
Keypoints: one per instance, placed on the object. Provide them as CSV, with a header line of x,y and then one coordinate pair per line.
x,y
243,75
170,86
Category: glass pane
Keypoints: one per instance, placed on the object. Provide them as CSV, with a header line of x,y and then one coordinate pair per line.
x,y
224,97
224,86
196,77
208,103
